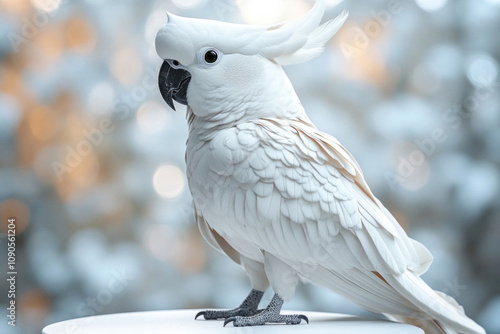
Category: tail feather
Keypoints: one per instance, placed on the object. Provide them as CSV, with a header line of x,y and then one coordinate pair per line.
x,y
429,326
406,298
442,311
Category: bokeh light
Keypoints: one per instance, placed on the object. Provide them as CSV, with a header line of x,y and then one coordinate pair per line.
x,y
43,123
482,70
80,34
50,42
13,208
191,256
152,117
187,4
101,99
15,6
10,115
426,78
162,241
126,65
168,181
78,178
10,82
186,252
46,5
332,3
412,166
431,5
34,305
276,10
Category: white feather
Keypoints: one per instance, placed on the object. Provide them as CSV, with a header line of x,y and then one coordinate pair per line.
x,y
315,42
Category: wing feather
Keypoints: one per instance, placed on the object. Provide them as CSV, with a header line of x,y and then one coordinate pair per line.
x,y
321,193
314,211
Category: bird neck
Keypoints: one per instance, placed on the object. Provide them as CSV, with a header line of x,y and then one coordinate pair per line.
x,y
274,97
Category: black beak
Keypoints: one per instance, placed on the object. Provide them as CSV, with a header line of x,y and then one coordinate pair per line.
x,y
173,84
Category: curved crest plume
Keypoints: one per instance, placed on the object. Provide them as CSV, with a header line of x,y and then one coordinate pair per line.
x,y
287,43
299,40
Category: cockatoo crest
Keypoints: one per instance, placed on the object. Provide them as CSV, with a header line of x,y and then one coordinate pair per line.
x,y
287,43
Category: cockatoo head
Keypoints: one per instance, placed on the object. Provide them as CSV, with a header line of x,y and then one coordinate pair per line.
x,y
216,67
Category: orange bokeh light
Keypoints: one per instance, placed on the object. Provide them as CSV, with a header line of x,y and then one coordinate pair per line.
x,y
43,123
13,208
15,6
80,35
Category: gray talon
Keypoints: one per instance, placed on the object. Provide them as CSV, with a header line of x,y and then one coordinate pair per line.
x,y
228,320
200,313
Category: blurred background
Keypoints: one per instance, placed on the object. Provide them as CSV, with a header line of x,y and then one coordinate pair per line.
x,y
92,160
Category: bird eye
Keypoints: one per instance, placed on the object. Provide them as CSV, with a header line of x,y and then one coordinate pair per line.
x,y
211,56
176,63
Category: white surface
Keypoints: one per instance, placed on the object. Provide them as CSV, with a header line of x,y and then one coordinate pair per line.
x,y
182,321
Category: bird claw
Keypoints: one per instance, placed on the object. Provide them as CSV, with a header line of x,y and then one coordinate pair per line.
x,y
200,313
303,317
221,314
228,320
266,318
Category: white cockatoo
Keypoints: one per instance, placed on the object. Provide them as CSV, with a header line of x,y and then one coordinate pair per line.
x,y
278,196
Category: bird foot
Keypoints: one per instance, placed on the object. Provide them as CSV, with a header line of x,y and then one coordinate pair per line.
x,y
224,314
266,317
271,315
247,308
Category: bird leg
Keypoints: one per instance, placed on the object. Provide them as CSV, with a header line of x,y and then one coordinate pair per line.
x,y
247,308
271,314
